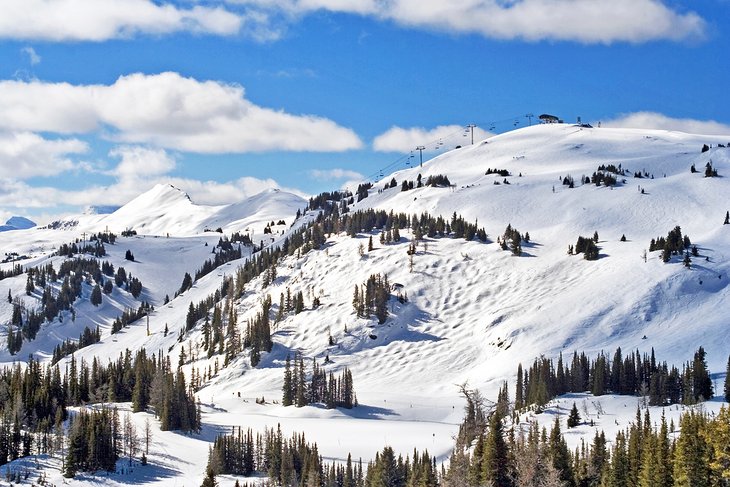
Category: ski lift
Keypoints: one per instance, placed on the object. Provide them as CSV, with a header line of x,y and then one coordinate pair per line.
x,y
491,128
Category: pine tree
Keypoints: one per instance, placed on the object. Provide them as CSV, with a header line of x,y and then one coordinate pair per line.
x,y
727,218
692,453
559,454
287,389
495,466
95,297
573,417
701,382
717,435
209,480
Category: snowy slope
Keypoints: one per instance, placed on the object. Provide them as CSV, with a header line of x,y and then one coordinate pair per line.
x,y
165,209
171,242
474,311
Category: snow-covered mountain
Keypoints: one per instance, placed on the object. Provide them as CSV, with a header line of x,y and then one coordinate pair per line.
x,y
17,223
165,209
474,311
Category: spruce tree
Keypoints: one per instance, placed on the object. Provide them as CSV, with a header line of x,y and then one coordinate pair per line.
x,y
727,381
560,455
287,389
96,295
496,465
692,453
573,417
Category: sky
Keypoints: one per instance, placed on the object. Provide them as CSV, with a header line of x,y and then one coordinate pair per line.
x,y
102,99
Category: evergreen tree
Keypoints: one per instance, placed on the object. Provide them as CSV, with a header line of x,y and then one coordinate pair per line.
x,y
495,466
287,396
701,382
573,417
96,295
717,434
692,453
560,455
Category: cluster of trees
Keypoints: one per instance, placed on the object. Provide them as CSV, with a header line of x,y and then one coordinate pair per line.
x,y
294,461
327,201
32,404
362,191
673,244
258,333
292,303
710,171
372,298
94,247
632,374
644,454
222,256
512,239
74,272
93,442
67,347
587,246
299,390
439,180
16,270
603,177
291,461
612,168
392,184
332,220
129,316
502,172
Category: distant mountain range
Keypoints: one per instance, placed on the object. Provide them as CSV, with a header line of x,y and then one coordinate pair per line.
x,y
17,223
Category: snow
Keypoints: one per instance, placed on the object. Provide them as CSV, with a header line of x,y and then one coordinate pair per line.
x,y
474,311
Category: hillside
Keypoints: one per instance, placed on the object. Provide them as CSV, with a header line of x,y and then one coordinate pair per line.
x,y
474,311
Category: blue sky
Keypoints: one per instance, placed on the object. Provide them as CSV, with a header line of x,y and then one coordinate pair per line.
x,y
101,99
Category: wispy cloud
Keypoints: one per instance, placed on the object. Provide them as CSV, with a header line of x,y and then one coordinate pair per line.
x,y
400,139
332,174
653,120
170,111
33,56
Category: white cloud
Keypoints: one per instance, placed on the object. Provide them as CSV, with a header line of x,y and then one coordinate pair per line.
x,y
586,21
141,162
337,173
399,139
25,155
168,110
653,120
33,56
100,20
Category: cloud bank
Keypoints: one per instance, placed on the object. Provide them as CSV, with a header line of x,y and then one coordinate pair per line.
x,y
169,111
584,21
399,139
653,120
